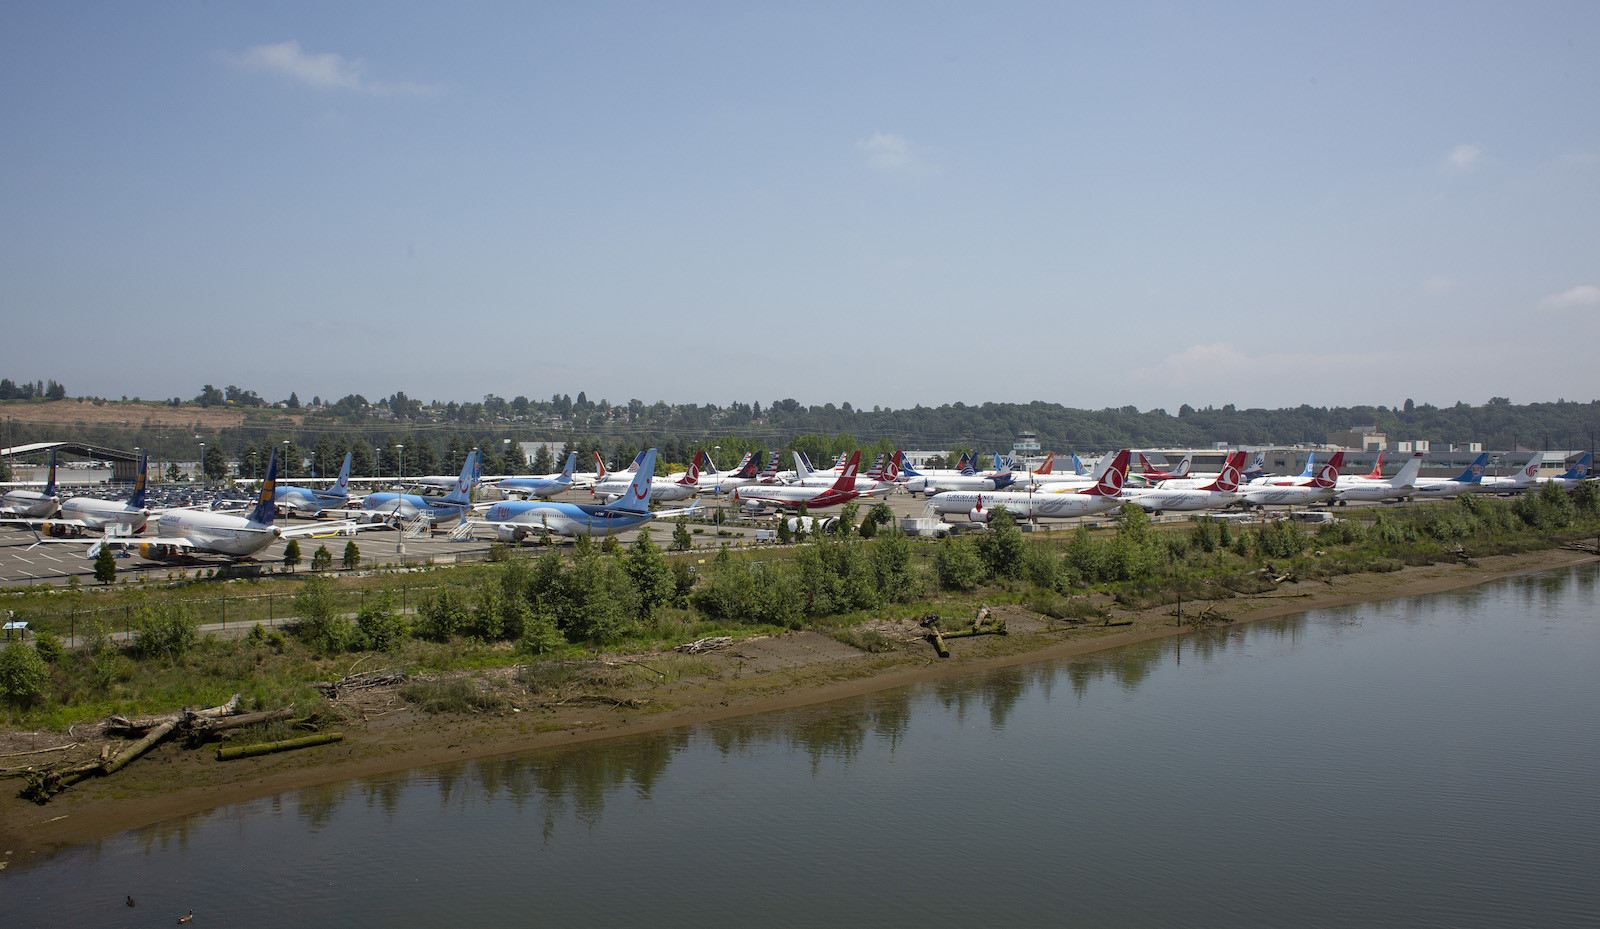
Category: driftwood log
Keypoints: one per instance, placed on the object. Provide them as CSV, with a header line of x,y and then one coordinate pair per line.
x,y
121,725
366,680
707,644
230,752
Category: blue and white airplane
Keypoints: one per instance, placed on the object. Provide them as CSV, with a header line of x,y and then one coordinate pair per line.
x,y
1437,488
1575,475
515,520
543,487
452,506
309,501
32,503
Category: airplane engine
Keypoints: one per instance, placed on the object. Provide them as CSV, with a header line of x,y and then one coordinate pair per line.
x,y
53,529
151,551
510,533
978,515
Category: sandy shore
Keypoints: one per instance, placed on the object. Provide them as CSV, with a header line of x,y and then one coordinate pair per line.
x,y
384,735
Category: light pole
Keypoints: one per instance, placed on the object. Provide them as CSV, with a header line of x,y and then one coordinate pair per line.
x,y
400,526
200,470
287,471
716,452
505,452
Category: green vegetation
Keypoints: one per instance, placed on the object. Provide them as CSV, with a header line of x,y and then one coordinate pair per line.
x,y
525,610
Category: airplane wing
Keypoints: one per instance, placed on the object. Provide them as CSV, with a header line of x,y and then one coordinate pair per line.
x,y
110,540
35,522
328,530
674,514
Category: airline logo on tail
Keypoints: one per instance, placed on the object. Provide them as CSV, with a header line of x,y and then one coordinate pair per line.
x,y
572,462
1228,480
264,509
342,487
1110,484
1531,470
692,476
1329,475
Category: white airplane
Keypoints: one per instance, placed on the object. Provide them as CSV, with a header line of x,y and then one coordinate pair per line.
x,y
880,481
383,507
1222,492
916,481
33,503
759,497
1575,475
1319,489
725,482
515,520
189,532
1403,484
662,489
78,515
1104,495
1155,475
1516,483
1073,483
543,487
1443,488
310,501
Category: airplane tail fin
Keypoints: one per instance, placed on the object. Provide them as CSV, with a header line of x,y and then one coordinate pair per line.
x,y
1578,471
692,476
876,471
847,480
1377,469
1077,464
1409,471
770,473
264,510
342,486
1258,466
907,470
1228,480
1474,472
1048,463
893,472
137,500
802,466
1329,475
1530,471
1112,475
636,499
747,467
600,471
462,493
1311,470
572,464
1182,470
50,484
1148,468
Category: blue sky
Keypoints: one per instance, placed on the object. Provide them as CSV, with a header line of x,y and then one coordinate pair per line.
x,y
886,204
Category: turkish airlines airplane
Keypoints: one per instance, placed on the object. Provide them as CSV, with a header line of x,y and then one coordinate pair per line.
x,y
759,497
1319,489
1103,495
1222,492
1403,484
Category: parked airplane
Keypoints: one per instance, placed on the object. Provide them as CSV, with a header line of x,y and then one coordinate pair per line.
x,y
1104,495
1222,492
759,497
544,487
1319,489
33,503
1072,483
1440,488
973,480
188,531
1516,483
310,501
1403,484
444,480
1155,475
383,507
1575,475
662,489
515,520
725,482
78,515
880,481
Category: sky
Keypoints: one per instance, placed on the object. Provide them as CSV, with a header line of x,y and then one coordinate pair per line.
x,y
1096,205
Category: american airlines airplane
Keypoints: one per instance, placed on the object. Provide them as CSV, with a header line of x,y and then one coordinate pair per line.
x,y
1319,489
1104,495
760,497
189,532
1222,492
310,501
515,520
32,503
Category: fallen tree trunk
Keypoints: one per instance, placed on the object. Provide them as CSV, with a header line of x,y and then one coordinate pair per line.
x,y
228,753
121,725
121,759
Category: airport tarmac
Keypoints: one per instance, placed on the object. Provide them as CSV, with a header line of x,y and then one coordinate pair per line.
x,y
24,560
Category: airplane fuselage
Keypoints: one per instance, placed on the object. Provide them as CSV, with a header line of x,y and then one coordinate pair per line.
x,y
516,520
29,504
217,533
1024,505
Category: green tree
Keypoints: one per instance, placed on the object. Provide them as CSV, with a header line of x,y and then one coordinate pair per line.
x,y
382,628
23,675
169,629
321,559
215,464
105,565
652,575
847,519
784,535
320,623
352,555
959,565
291,554
1002,547
682,538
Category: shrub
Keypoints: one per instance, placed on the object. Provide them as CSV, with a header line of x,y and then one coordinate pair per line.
x,y
48,646
23,675
457,695
168,629
958,565
352,556
320,626
381,627
321,559
444,615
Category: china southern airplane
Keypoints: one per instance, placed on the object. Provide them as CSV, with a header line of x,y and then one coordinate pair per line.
x,y
1516,483
1575,475
439,510
78,515
309,501
190,532
1445,487
515,520
32,503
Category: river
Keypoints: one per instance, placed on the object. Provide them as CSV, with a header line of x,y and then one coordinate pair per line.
x,y
1430,761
